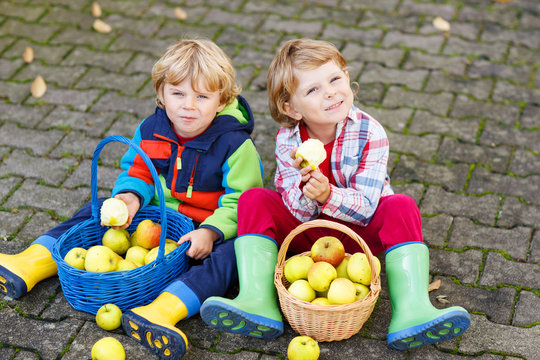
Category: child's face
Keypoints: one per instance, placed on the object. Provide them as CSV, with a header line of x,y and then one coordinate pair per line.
x,y
323,97
190,112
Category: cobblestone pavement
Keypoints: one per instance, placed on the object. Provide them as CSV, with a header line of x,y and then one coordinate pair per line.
x,y
461,110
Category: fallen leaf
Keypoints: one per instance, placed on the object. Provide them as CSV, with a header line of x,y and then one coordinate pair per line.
x,y
102,27
441,24
442,299
180,14
96,9
28,55
434,285
38,87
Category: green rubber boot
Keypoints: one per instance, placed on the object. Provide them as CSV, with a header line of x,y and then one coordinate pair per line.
x,y
255,311
415,321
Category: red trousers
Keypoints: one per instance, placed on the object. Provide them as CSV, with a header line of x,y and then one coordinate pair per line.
x,y
396,220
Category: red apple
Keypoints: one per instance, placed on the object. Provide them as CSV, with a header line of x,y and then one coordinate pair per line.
x,y
329,249
146,234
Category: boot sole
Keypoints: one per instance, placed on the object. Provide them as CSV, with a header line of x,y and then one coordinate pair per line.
x,y
442,328
162,341
227,318
11,284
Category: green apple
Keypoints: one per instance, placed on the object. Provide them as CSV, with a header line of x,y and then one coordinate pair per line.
x,y
329,249
303,348
125,265
342,267
146,234
108,317
361,291
301,289
100,258
136,255
117,240
108,348
320,275
320,301
152,254
312,152
76,257
359,270
114,212
342,291
297,268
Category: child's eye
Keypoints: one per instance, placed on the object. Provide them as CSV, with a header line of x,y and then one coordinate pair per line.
x,y
203,97
313,89
178,93
335,78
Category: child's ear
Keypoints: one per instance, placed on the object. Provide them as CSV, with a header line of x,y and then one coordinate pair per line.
x,y
220,108
291,112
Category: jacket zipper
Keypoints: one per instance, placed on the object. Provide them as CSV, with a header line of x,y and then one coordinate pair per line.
x,y
192,177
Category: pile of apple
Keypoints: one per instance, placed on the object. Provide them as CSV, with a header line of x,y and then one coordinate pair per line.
x,y
329,276
121,251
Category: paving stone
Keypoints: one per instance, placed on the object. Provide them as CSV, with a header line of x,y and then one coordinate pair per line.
x,y
322,13
527,310
7,185
384,5
435,229
36,32
27,13
138,26
514,241
491,51
494,32
76,144
499,270
307,28
376,73
94,124
395,119
529,21
388,57
415,191
495,158
27,116
425,122
423,147
60,76
525,162
515,212
130,42
39,223
468,31
483,181
451,177
418,60
505,18
128,84
86,37
106,177
521,54
194,14
463,265
361,36
430,352
42,141
484,335
493,134
430,44
481,208
288,9
535,248
506,91
390,20
262,41
438,81
11,221
408,8
437,103
519,74
111,61
125,126
14,92
61,15
369,95
78,99
50,55
140,63
9,68
173,29
218,16
112,101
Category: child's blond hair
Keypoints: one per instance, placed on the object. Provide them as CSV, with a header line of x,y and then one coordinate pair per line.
x,y
200,59
301,54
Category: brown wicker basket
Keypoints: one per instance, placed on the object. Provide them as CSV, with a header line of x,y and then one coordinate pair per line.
x,y
325,322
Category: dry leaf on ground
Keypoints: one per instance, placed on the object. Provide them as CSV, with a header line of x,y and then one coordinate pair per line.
x,y
180,14
38,87
442,299
28,55
96,10
102,27
441,24
434,285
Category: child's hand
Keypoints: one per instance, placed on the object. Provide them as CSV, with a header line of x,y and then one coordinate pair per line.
x,y
317,186
133,205
297,161
202,242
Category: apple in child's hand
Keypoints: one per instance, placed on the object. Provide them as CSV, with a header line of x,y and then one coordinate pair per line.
x,y
329,249
76,257
136,255
341,291
100,258
301,289
117,240
313,153
108,348
359,270
108,317
303,348
297,267
320,275
361,291
114,212
146,234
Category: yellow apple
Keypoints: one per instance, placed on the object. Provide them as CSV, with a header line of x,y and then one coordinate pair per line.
x,y
303,348
76,257
136,255
342,267
312,152
114,212
100,258
117,240
125,265
152,254
108,317
108,348
329,249
302,290
361,291
146,234
341,291
297,268
320,301
359,270
320,275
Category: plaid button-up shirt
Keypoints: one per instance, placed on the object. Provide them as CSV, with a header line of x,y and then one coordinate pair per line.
x,y
359,166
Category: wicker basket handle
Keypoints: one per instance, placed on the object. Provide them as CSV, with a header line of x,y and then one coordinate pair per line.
x,y
157,184
330,225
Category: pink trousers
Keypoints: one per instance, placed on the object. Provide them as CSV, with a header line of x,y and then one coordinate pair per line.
x,y
396,220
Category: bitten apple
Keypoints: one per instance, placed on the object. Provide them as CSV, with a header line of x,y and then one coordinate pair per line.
x,y
312,152
76,257
329,249
114,212
320,275
146,234
100,258
341,291
297,267
108,317
303,348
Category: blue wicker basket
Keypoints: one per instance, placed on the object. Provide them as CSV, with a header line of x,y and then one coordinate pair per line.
x,y
88,291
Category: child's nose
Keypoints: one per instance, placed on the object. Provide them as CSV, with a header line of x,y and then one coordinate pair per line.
x,y
189,102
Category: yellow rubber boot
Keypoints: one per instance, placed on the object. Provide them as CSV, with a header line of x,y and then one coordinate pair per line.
x,y
20,272
153,326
